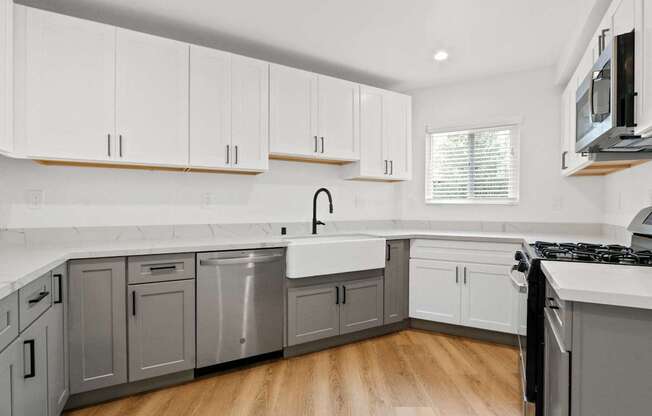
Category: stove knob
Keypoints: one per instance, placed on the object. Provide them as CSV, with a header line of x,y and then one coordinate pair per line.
x,y
519,256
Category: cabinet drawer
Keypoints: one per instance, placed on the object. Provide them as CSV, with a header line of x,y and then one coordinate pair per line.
x,y
161,268
8,319
464,251
34,299
561,316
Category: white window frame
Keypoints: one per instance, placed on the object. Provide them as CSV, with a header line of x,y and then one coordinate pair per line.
x,y
514,123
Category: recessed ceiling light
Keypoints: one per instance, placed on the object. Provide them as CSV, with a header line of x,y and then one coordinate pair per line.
x,y
440,56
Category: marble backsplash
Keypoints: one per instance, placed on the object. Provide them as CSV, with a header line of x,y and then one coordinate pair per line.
x,y
49,236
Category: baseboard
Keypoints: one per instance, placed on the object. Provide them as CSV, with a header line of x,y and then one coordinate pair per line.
x,y
323,344
115,392
463,331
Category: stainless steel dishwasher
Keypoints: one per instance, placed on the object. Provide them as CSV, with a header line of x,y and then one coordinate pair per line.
x,y
239,304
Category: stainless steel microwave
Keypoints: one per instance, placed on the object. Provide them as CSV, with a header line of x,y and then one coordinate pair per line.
x,y
605,104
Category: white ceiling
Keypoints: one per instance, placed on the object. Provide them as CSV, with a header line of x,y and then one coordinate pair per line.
x,y
388,43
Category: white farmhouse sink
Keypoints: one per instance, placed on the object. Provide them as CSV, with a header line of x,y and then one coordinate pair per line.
x,y
329,254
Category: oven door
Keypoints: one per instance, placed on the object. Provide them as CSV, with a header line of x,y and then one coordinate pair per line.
x,y
519,281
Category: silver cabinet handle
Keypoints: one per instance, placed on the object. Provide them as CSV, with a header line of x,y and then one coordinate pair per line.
x,y
322,144
391,167
457,274
236,155
464,274
316,144
241,260
120,145
386,168
228,154
108,144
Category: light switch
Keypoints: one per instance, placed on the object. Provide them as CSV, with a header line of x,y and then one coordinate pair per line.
x,y
34,198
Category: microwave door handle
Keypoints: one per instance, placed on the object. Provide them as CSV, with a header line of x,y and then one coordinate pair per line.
x,y
591,100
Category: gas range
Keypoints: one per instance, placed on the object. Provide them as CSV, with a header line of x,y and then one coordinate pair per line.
x,y
592,253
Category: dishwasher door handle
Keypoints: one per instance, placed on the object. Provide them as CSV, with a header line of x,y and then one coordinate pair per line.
x,y
240,260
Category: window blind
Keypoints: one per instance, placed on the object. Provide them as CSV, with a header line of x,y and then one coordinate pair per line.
x,y
479,165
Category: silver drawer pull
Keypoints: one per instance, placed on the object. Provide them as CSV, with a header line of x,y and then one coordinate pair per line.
x,y
240,260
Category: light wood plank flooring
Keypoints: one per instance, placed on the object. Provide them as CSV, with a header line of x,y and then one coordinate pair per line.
x,y
404,374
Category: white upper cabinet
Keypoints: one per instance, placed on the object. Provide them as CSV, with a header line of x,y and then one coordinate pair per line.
x,y
68,87
151,99
6,76
210,108
623,19
397,117
313,116
228,111
338,119
292,112
373,149
249,113
385,136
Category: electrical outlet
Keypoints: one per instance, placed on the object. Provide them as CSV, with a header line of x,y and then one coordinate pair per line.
x,y
208,200
34,198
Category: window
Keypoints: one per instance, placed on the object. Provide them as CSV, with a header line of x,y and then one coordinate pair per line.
x,y
473,166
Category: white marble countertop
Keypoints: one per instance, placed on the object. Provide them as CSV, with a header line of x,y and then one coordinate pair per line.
x,y
607,284
21,264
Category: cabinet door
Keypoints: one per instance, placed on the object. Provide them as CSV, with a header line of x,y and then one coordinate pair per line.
x,y
397,269
33,374
6,75
338,119
292,112
361,306
372,149
97,324
435,291
565,127
556,375
249,113
489,300
643,75
210,108
397,131
151,99
58,390
313,313
10,379
161,328
69,87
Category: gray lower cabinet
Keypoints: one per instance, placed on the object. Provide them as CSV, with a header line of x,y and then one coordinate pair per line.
x,y
10,367
58,388
362,305
313,313
32,383
161,328
397,270
557,370
97,325
326,310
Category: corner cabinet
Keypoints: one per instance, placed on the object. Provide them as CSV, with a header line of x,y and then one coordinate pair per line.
x,y
97,324
229,106
385,136
313,117
464,283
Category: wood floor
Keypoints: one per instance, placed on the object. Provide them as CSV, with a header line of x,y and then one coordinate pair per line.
x,y
407,373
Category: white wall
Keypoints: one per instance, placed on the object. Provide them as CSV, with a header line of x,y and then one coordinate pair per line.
x,y
626,193
545,196
104,197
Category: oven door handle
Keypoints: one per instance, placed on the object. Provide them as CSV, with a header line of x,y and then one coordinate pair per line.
x,y
519,283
